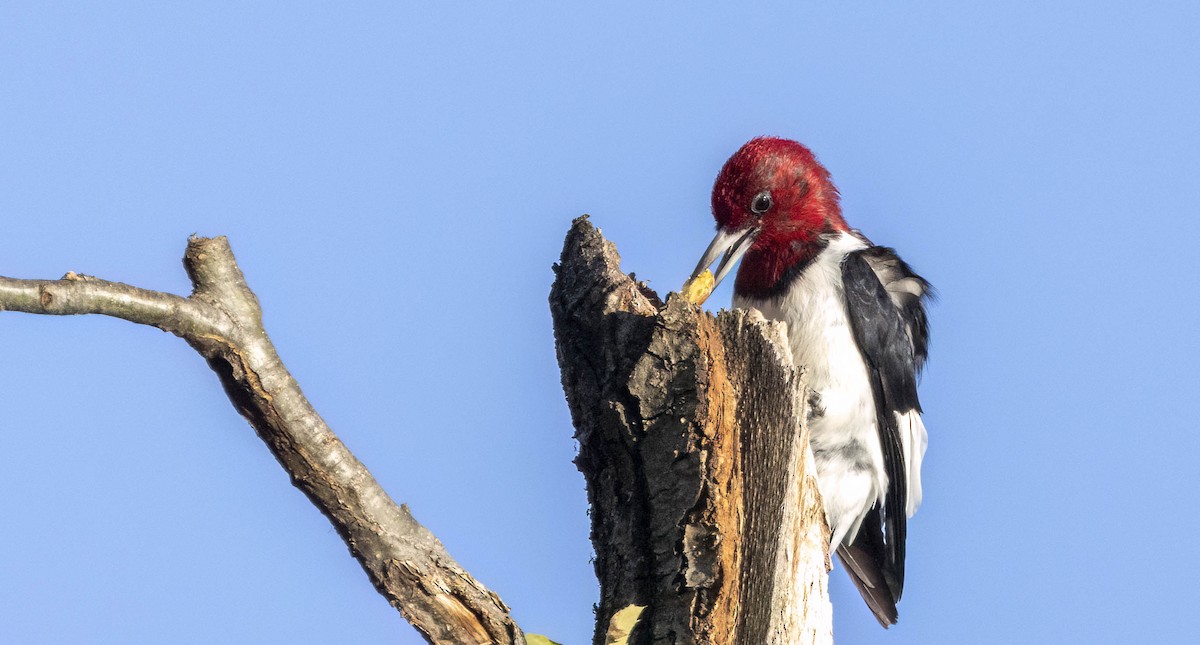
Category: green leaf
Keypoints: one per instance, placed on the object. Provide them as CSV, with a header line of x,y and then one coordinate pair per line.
x,y
538,639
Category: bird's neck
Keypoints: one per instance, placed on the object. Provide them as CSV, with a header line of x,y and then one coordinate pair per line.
x,y
768,269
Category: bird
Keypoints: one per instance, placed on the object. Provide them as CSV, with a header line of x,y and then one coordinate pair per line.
x,y
856,321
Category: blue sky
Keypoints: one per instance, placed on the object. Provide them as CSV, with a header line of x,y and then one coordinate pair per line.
x,y
396,183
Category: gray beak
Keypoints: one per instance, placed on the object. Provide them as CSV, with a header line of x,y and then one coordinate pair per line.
x,y
733,244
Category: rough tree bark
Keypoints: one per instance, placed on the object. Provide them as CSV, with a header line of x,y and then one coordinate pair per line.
x,y
222,321
691,438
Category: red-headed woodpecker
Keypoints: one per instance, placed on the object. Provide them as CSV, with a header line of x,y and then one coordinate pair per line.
x,y
856,323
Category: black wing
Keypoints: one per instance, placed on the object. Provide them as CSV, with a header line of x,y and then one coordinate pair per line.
x,y
908,292
884,299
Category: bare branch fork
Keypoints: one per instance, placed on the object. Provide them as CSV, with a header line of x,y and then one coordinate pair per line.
x,y
222,320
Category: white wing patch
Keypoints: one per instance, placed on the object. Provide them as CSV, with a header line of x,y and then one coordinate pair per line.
x,y
915,440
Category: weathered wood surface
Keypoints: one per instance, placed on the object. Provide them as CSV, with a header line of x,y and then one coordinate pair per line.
x,y
691,439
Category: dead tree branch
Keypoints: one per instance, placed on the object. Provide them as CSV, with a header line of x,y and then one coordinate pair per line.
x,y
222,320
691,438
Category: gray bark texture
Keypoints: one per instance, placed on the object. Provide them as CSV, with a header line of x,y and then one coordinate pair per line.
x,y
693,445
222,321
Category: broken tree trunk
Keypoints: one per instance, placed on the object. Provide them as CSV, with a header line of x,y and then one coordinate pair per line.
x,y
693,444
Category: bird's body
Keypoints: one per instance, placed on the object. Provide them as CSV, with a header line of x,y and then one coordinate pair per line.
x,y
844,437
856,323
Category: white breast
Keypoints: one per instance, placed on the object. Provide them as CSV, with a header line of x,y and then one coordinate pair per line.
x,y
844,437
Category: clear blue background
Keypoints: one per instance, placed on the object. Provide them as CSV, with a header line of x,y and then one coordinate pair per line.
x,y
396,182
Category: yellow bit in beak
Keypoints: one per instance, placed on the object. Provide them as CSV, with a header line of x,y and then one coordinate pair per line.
x,y
697,289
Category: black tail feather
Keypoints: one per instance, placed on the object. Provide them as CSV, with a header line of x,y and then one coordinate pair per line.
x,y
867,563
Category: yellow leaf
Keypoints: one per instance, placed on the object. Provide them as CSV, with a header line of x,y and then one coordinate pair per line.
x,y
621,625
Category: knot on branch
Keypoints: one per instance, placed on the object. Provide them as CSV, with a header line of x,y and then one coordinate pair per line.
x,y
217,280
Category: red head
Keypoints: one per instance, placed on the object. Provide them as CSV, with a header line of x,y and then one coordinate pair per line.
x,y
772,201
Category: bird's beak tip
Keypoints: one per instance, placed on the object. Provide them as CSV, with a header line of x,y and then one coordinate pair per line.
x,y
732,245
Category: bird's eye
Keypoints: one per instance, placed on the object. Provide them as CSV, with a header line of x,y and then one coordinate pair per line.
x,y
762,203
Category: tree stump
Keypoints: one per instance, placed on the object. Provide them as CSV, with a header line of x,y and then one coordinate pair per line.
x,y
693,443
